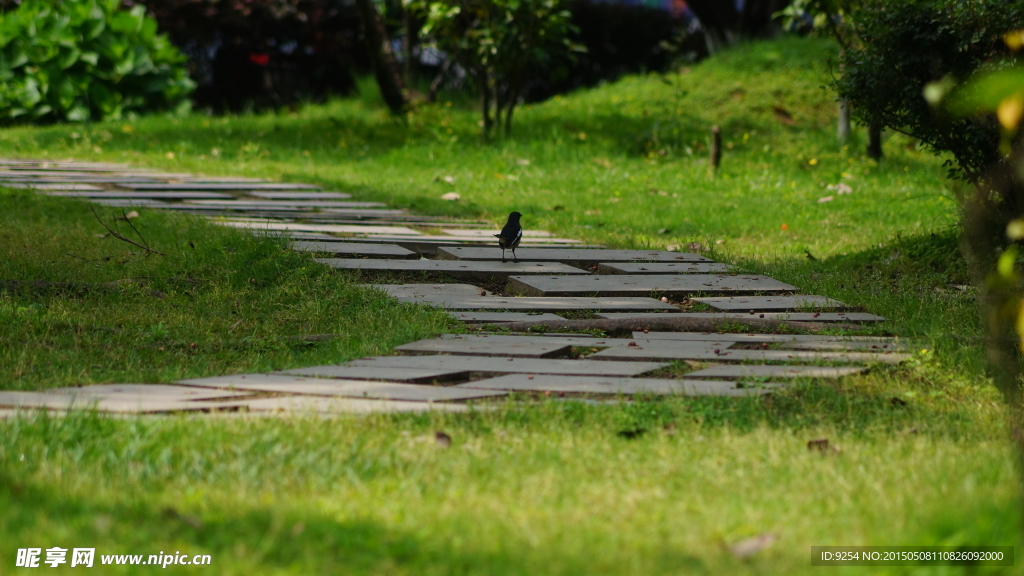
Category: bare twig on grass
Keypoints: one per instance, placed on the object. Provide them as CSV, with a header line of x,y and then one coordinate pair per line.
x,y
117,233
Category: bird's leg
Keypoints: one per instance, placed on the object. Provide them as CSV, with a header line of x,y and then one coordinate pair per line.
x,y
503,255
514,259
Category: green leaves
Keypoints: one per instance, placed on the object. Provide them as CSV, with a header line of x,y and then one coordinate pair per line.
x,y
78,60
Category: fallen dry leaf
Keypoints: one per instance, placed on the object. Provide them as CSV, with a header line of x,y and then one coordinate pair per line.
x,y
749,546
443,440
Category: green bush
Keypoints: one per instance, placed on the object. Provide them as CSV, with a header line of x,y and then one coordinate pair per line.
x,y
86,59
906,46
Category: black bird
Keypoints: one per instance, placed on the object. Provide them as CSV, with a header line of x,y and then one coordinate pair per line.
x,y
510,235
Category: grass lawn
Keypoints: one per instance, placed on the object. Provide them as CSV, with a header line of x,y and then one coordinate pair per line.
x,y
550,489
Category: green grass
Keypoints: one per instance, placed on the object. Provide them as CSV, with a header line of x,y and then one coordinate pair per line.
x,y
546,489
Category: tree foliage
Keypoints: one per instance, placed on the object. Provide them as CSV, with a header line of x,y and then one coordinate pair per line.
x,y
86,59
904,47
500,43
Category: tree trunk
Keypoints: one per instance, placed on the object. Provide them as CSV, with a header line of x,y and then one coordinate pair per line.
x,y
485,101
843,127
875,141
716,148
385,68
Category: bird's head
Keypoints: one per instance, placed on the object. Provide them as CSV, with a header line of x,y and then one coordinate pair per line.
x,y
514,217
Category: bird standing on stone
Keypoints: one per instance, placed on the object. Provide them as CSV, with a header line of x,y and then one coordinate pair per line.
x,y
510,235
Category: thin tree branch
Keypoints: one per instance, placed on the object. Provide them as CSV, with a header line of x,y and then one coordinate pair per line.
x,y
119,236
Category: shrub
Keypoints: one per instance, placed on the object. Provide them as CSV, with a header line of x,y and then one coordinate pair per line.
x,y
86,59
501,44
906,46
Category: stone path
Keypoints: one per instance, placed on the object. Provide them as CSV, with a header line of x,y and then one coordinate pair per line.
x,y
555,279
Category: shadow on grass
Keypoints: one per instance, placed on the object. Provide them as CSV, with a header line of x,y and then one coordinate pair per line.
x,y
268,538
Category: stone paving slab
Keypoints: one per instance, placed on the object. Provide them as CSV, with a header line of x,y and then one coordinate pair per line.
x,y
771,303
299,195
351,249
502,317
604,385
452,268
289,384
539,304
489,233
566,339
733,371
314,405
292,203
420,290
661,268
418,375
472,347
579,256
193,185
41,186
491,244
105,404
488,365
840,317
851,346
399,231
126,202
151,195
667,350
644,285
728,337
145,392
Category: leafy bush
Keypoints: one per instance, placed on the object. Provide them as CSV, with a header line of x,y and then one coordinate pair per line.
x,y
906,46
86,59
502,44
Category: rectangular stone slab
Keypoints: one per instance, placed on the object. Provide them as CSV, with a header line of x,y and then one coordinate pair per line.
x,y
585,257
144,391
451,268
719,337
467,347
539,304
420,290
771,303
292,203
661,268
459,240
644,285
223,186
491,233
351,249
289,384
337,229
153,195
104,404
667,350
501,317
299,405
850,346
126,202
604,385
424,375
488,365
841,317
299,195
566,339
40,186
733,371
